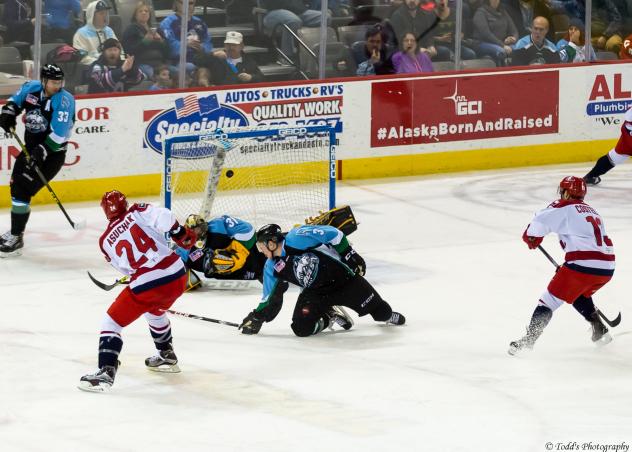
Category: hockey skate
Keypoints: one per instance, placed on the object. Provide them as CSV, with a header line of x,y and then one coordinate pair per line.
x,y
600,335
338,316
396,319
165,361
100,381
592,180
515,347
11,245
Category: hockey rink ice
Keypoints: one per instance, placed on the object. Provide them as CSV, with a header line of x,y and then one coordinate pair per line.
x,y
445,250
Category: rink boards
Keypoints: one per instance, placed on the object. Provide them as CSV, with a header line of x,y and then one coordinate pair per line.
x,y
387,126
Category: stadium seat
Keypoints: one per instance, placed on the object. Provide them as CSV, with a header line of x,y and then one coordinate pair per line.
x,y
352,33
482,63
441,66
10,60
606,56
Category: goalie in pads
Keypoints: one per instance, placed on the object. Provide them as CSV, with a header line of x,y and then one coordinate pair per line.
x,y
225,249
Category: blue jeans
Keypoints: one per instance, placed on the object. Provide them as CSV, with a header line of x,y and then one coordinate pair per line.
x,y
277,17
496,52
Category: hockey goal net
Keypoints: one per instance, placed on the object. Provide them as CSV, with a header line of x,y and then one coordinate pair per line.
x,y
272,175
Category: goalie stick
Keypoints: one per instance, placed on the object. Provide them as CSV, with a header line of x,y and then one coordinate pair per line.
x,y
125,280
612,323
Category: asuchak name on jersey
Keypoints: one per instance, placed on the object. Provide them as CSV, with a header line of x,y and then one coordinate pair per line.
x,y
154,264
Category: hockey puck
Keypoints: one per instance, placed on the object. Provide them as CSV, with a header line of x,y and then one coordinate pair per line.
x,y
229,173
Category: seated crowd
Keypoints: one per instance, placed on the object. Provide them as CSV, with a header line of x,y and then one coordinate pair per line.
x,y
407,36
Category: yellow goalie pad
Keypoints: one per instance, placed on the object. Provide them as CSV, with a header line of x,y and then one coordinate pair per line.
x,y
338,217
231,258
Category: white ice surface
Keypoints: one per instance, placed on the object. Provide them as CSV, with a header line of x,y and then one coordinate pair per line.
x,y
445,251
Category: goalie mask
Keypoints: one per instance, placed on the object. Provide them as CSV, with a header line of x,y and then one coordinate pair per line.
x,y
197,224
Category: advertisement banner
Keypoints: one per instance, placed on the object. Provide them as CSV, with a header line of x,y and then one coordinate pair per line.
x,y
298,106
468,107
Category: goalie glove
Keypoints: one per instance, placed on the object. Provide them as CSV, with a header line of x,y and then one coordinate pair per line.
x,y
339,217
183,236
354,261
251,324
226,260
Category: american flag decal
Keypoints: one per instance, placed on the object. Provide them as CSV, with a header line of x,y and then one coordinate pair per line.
x,y
186,106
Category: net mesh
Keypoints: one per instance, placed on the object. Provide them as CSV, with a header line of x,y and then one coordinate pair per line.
x,y
261,180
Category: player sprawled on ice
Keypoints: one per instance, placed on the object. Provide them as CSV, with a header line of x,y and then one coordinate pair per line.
x,y
589,261
619,154
49,114
224,249
134,243
320,260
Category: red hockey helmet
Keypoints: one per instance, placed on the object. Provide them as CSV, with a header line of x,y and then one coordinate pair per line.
x,y
114,204
575,186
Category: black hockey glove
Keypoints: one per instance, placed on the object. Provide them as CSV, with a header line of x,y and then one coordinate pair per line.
x,y
207,262
37,155
354,261
8,117
251,324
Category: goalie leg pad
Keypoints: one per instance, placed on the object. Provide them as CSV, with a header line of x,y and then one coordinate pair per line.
x,y
338,217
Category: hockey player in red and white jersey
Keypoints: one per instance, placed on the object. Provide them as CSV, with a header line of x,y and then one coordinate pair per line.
x,y
134,243
589,261
619,154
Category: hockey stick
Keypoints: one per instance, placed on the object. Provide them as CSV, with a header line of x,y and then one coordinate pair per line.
x,y
199,317
613,323
76,225
101,285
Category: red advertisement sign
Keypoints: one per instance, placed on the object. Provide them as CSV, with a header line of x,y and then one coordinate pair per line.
x,y
464,108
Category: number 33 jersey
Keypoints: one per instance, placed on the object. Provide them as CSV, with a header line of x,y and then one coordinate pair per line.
x,y
581,231
135,245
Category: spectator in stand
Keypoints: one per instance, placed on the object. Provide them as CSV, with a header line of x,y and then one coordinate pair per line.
x,y
607,20
535,48
372,56
444,34
522,13
95,32
571,47
59,20
409,60
142,40
198,38
411,18
109,74
496,32
162,78
230,66
293,13
606,26
17,16
626,49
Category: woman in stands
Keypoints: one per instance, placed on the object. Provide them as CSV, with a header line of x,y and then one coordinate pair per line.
x,y
572,46
142,40
410,60
495,30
